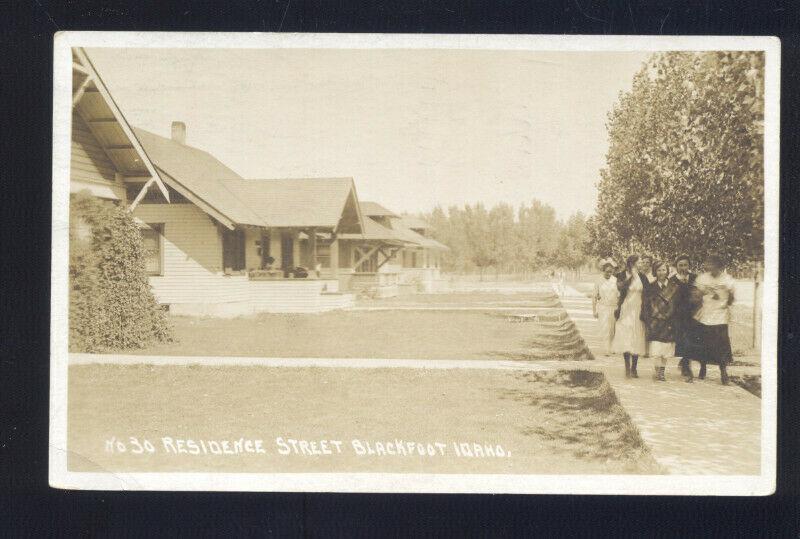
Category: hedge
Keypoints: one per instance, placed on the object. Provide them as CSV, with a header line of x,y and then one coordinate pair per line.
x,y
111,304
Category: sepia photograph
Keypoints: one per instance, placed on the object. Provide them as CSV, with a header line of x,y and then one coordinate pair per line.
x,y
362,263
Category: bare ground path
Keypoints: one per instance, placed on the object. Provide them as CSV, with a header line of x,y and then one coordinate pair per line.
x,y
699,428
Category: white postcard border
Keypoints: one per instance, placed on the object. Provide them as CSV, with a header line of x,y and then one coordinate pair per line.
x,y
60,477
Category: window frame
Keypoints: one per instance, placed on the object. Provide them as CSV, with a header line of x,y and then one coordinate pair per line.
x,y
158,229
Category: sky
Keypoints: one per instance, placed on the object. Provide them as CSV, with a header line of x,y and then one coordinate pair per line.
x,y
414,128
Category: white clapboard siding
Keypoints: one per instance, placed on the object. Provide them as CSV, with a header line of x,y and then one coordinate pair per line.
x,y
192,256
193,281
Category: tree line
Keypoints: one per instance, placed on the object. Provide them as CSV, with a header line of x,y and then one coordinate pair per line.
x,y
504,239
684,174
685,165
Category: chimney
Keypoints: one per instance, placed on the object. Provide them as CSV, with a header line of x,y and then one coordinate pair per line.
x,y
179,132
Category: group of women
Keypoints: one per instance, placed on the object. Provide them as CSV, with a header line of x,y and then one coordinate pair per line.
x,y
651,310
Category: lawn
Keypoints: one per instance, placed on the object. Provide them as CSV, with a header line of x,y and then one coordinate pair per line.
x,y
534,423
397,334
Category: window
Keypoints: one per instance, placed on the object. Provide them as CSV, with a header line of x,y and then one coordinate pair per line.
x,y
324,254
233,250
152,236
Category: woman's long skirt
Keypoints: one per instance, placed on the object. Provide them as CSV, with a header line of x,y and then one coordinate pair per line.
x,y
716,344
629,332
688,338
605,317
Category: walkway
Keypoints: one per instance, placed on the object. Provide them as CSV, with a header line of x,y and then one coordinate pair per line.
x,y
699,428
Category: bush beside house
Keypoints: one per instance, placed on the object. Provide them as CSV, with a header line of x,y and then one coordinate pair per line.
x,y
111,304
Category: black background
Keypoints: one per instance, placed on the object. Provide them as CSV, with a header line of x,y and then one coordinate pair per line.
x,y
29,507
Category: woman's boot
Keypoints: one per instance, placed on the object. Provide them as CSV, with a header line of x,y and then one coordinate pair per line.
x,y
627,357
688,375
634,362
723,374
662,374
702,373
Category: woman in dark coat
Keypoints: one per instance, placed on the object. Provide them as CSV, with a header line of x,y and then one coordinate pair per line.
x,y
659,317
687,333
630,337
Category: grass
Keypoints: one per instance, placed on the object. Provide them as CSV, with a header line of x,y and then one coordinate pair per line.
x,y
557,423
587,420
400,334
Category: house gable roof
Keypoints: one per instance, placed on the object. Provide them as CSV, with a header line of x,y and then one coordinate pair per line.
x,y
373,209
295,202
406,223
199,172
409,221
94,104
374,231
299,202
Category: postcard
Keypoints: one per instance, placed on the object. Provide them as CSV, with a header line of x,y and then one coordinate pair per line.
x,y
415,263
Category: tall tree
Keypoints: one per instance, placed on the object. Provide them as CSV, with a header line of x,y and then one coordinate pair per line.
x,y
537,236
571,242
684,170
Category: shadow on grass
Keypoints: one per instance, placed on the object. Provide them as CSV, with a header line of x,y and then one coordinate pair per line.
x,y
585,419
552,338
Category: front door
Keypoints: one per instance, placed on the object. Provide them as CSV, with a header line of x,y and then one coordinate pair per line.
x,y
287,253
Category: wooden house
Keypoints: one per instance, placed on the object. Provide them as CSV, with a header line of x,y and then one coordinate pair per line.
x,y
217,244
221,245
369,261
421,259
106,158
394,255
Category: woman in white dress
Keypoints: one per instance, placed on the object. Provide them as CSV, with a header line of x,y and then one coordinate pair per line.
x,y
604,303
630,337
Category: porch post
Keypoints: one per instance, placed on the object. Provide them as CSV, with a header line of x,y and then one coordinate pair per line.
x,y
335,258
312,238
275,247
296,248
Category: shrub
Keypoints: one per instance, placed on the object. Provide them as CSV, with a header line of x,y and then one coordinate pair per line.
x,y
111,305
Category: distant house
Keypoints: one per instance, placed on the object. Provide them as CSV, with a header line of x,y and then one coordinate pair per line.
x,y
421,261
393,255
369,261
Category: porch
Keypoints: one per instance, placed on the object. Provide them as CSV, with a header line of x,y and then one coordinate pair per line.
x,y
226,296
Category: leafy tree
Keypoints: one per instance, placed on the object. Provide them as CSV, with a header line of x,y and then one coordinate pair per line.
x,y
502,236
111,305
482,252
684,170
571,242
537,236
508,240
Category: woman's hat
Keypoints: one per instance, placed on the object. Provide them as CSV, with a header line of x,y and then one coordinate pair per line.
x,y
608,261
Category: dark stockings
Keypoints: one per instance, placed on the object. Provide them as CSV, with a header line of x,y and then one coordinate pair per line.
x,y
631,361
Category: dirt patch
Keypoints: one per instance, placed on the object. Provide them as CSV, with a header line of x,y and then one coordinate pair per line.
x,y
749,382
586,420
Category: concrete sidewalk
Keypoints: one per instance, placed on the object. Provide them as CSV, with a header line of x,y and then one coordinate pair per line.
x,y
698,428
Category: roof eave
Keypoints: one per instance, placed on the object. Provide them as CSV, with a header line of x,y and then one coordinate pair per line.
x,y
121,120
